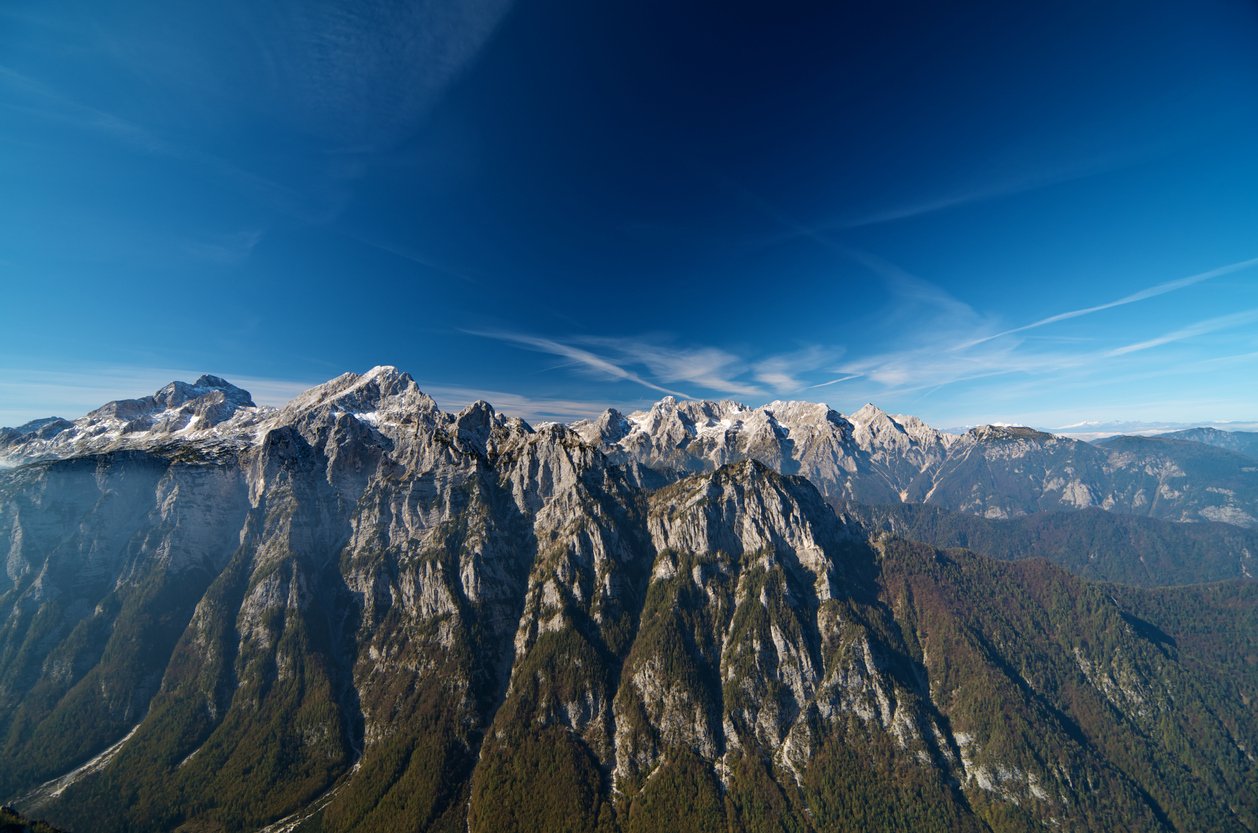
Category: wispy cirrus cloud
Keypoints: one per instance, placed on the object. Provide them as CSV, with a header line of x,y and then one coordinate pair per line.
x,y
930,365
367,72
978,190
941,350
1135,297
666,367
978,193
45,102
1200,328
232,247
934,349
913,293
927,317
912,289
1016,177
530,408
844,378
407,253
790,372
357,78
710,368
581,357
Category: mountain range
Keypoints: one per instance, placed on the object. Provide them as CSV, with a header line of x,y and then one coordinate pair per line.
x,y
360,612
869,456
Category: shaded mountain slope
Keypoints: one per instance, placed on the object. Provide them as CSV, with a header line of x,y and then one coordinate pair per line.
x,y
1242,442
1106,546
366,614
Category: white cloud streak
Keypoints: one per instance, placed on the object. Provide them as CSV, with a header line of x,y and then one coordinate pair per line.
x,y
1135,297
230,248
1040,175
581,357
993,191
530,408
708,367
408,254
1200,328
664,367
366,73
910,287
784,373
61,108
930,366
849,377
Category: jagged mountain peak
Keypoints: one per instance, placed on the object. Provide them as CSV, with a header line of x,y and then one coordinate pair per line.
x,y
734,487
206,380
474,424
205,410
871,457
43,427
480,410
205,390
608,428
381,387
373,590
875,428
688,412
800,412
870,420
740,507
867,413
796,437
914,424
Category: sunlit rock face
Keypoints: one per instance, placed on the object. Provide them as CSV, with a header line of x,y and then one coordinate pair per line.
x,y
361,612
873,457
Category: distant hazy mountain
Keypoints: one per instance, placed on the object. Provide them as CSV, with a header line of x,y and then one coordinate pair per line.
x,y
1242,442
1099,429
1092,543
359,612
994,471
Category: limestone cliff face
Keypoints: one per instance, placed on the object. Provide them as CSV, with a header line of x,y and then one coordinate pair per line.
x,y
869,456
756,573
360,612
873,457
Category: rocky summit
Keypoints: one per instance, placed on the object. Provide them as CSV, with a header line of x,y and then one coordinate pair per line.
x,y
359,612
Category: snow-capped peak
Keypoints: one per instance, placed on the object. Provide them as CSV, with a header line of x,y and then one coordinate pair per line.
x,y
868,413
383,388
800,413
206,408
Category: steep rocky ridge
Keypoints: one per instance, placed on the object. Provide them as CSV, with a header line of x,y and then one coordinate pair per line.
x,y
359,612
869,457
872,457
1182,480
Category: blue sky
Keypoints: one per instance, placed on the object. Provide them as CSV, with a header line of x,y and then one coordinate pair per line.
x,y
1020,212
